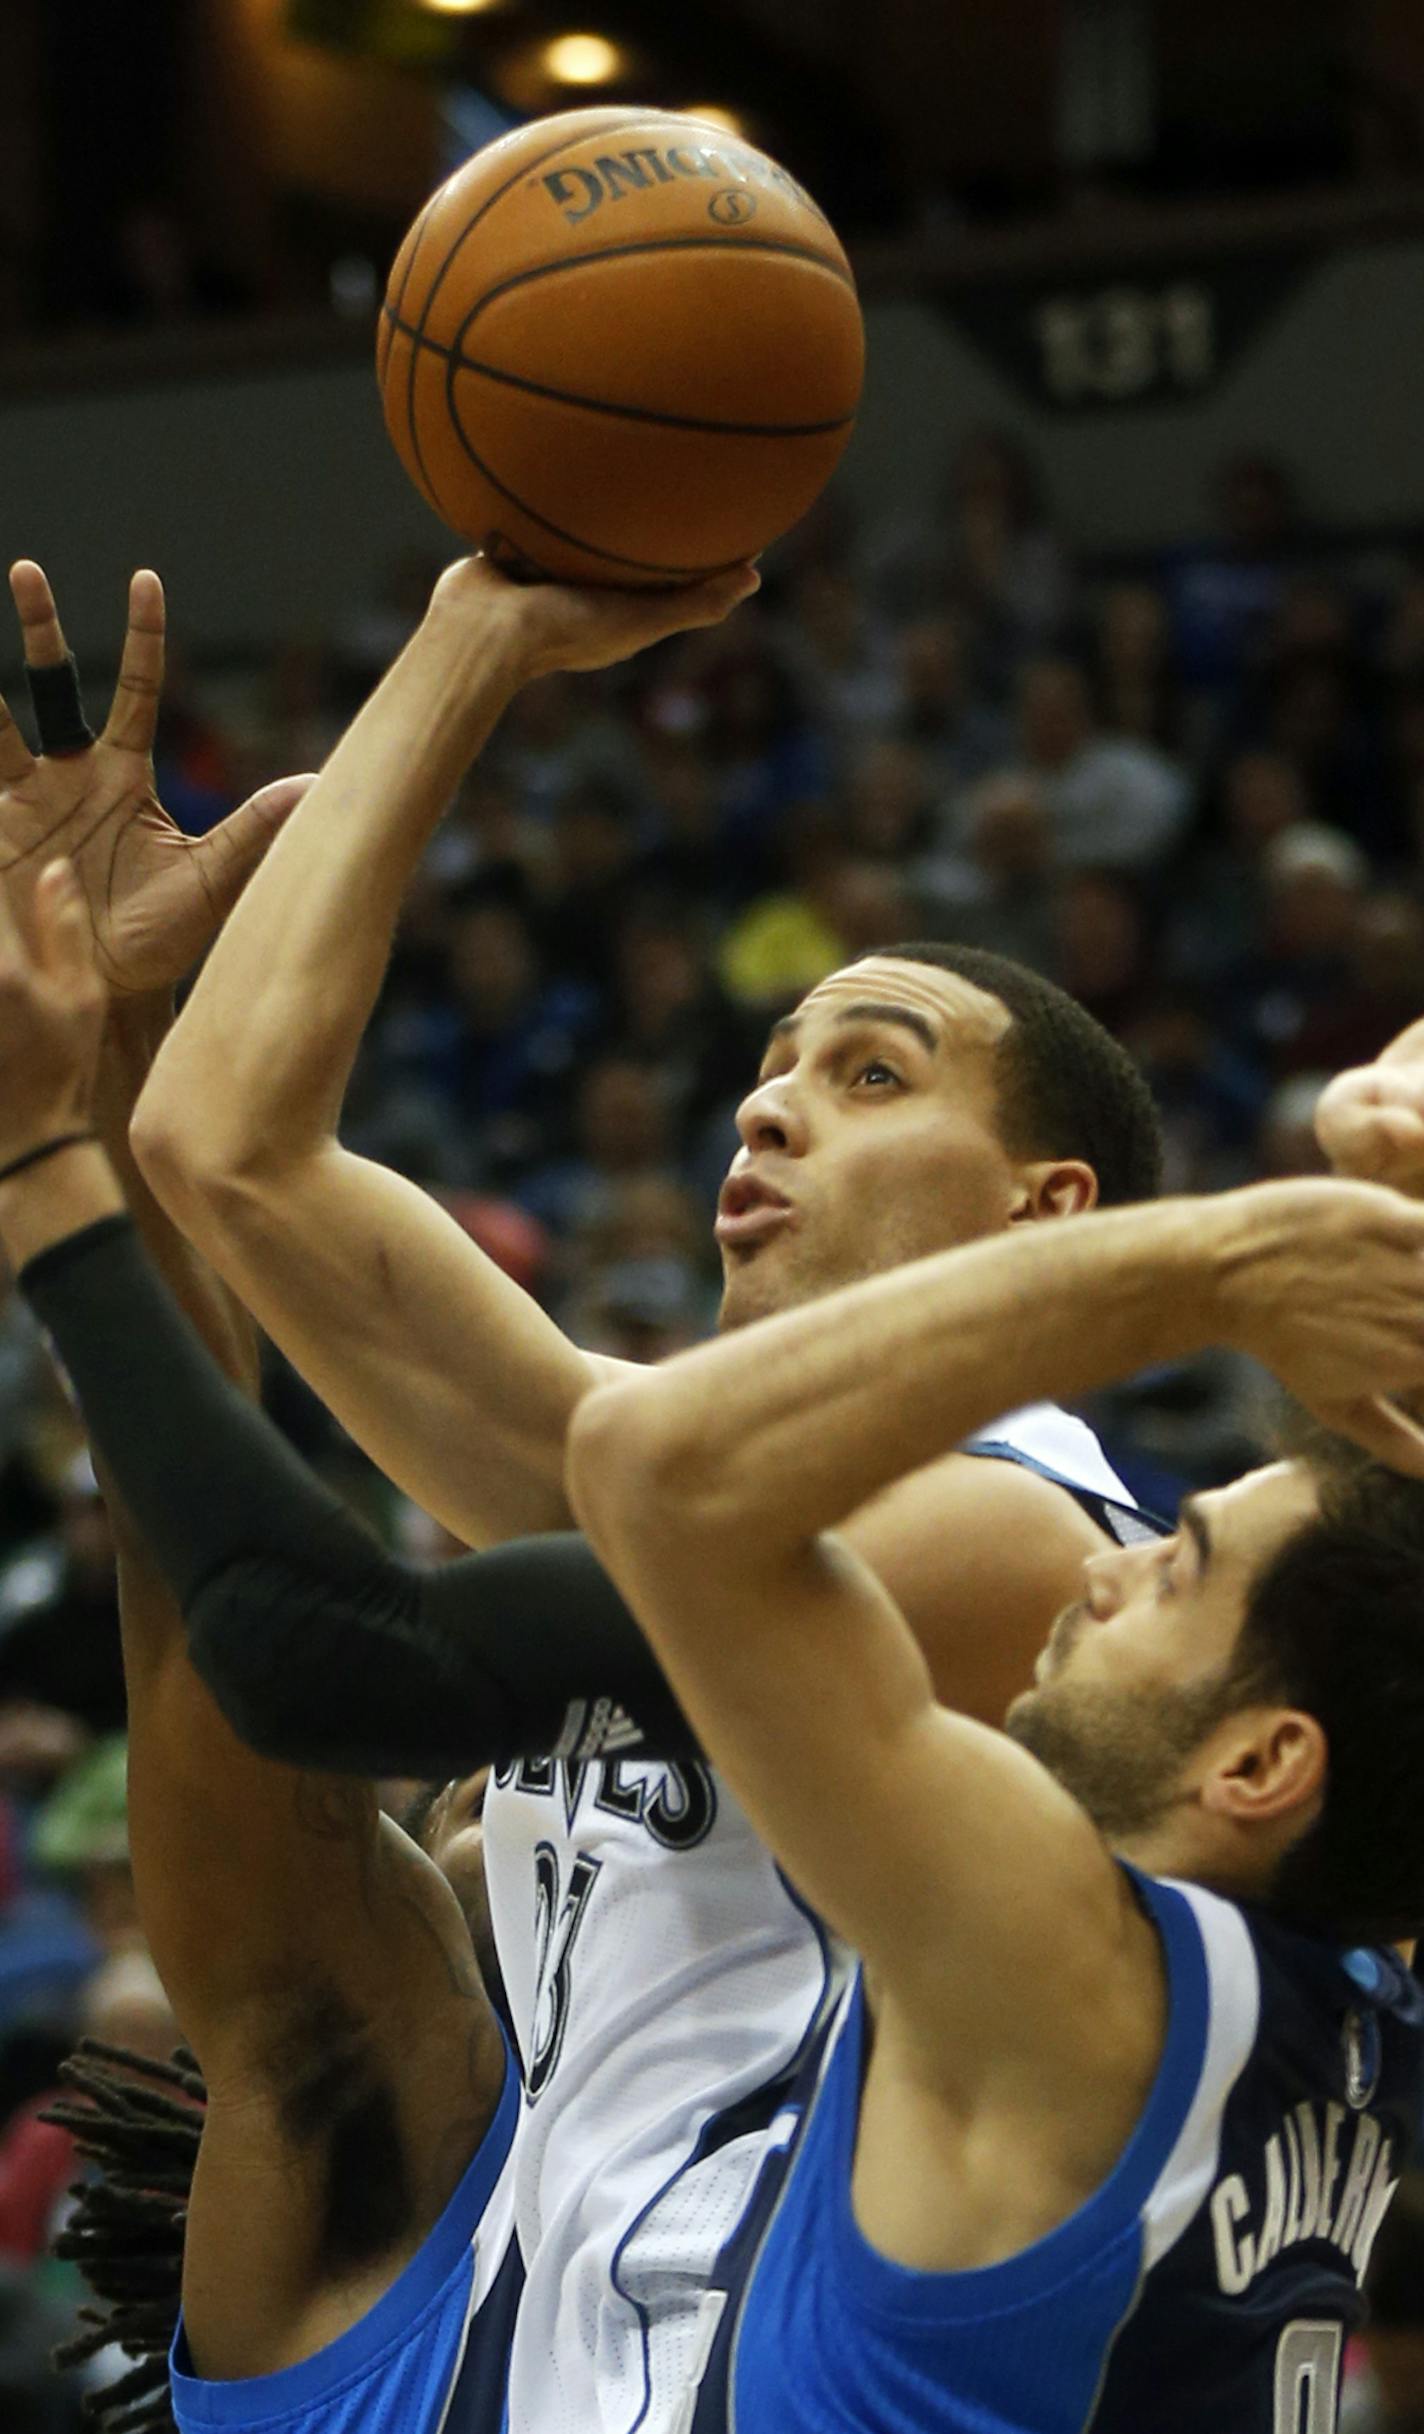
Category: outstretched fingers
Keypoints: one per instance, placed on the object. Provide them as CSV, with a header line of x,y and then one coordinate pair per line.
x,y
133,714
49,669
40,629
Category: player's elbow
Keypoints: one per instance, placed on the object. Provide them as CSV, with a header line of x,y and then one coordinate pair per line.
x,y
200,1166
635,1471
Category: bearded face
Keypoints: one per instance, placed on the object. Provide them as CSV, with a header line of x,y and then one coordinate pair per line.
x,y
1119,1751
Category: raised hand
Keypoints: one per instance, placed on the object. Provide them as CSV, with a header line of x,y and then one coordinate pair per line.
x,y
1370,1121
1324,1283
154,898
572,626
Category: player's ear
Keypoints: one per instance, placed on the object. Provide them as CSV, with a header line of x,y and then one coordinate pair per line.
x,y
1268,1766
1054,1187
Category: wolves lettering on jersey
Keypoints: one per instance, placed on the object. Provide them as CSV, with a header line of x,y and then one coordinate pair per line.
x,y
678,1809
1211,2281
432,2355
663,1979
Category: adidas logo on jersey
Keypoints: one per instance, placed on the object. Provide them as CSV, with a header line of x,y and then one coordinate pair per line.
x,y
596,1728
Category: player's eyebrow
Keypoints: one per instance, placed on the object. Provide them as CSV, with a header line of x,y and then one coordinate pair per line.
x,y
869,1010
1193,1521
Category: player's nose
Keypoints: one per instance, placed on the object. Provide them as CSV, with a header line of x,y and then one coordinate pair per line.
x,y
1105,1582
772,1117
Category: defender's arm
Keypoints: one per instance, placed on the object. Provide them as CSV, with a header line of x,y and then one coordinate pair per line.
x,y
708,1487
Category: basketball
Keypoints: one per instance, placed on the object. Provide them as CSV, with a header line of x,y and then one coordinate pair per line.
x,y
620,346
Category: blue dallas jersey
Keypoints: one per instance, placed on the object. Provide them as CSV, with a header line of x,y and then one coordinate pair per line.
x,y
1210,2282
432,2355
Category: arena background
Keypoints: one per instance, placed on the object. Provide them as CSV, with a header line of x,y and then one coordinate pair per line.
x,y
1107,649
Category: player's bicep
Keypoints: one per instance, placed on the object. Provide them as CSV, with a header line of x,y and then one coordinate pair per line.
x,y
920,1836
446,1373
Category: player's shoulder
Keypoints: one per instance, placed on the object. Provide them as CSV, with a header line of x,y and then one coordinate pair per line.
x,y
1299,2006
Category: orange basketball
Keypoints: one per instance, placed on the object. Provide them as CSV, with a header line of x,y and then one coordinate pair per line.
x,y
620,346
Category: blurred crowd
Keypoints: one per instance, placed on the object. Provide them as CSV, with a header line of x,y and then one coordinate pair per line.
x,y
1191,790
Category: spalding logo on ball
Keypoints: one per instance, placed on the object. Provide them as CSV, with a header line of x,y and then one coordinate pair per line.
x,y
619,346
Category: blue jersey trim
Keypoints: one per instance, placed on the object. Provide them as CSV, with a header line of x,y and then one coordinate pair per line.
x,y
998,1449
881,2287
389,2324
712,2136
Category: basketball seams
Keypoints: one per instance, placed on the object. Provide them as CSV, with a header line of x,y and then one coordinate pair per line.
x,y
416,470
782,246
602,405
609,557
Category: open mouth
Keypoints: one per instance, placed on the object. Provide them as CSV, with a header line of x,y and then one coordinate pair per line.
x,y
748,1210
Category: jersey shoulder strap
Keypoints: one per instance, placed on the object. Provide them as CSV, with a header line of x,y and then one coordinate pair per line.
x,y
1044,1438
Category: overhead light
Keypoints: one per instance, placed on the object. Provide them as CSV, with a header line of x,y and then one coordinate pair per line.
x,y
714,113
457,8
581,59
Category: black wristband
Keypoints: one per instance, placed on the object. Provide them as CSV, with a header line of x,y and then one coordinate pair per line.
x,y
43,1149
58,707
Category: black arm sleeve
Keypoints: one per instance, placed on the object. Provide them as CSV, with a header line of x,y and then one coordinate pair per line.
x,y
320,1648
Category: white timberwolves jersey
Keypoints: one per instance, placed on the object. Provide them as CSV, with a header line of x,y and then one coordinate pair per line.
x,y
664,1982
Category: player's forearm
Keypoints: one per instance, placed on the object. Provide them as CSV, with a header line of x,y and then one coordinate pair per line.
x,y
320,1647
256,1068
775,1434
135,1030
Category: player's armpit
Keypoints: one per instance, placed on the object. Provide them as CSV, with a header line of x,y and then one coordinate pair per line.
x,y
446,1373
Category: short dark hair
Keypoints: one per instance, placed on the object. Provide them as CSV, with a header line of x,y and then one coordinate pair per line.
x,y
1067,1088
1334,1625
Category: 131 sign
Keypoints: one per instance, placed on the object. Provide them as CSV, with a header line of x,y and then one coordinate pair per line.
x,y
1116,343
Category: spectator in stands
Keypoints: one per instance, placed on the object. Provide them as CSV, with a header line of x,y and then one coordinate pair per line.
x,y
1114,802
1102,946
766,752
890,803
621,1131
991,550
558,735
936,710
1295,999
1219,904
502,1048
1136,687
1223,594
671,1010
680,858
592,854
995,887
837,652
